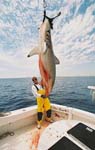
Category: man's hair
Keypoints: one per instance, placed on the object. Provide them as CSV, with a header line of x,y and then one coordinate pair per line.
x,y
34,78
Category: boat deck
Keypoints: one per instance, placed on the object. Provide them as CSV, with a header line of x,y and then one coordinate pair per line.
x,y
31,138
25,138
59,129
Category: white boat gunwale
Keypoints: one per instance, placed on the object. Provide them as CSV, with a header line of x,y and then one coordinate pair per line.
x,y
25,116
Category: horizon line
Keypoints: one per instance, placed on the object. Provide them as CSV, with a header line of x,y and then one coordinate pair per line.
x,y
40,77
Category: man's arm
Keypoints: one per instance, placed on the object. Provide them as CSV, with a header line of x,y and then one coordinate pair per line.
x,y
34,91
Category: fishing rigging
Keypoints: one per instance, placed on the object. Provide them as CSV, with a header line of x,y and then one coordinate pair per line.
x,y
44,4
45,16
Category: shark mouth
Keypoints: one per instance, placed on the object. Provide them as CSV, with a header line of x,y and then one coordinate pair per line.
x,y
45,76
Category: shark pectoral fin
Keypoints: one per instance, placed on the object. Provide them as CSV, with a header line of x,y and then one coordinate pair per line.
x,y
56,60
34,51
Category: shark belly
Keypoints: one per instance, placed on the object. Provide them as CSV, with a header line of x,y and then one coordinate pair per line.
x,y
47,71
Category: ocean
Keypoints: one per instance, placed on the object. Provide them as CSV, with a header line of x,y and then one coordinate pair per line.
x,y
69,91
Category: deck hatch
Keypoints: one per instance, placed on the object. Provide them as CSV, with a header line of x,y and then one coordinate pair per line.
x,y
84,134
66,144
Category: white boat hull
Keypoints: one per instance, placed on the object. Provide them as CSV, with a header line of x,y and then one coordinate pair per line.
x,y
23,123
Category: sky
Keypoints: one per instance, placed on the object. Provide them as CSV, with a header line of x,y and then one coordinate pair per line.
x,y
73,36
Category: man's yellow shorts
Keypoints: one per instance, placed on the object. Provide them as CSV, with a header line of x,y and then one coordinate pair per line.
x,y
43,103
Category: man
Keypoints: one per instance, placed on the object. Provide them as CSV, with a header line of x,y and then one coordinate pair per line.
x,y
43,103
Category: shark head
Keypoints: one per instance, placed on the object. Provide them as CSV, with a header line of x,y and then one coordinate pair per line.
x,y
48,22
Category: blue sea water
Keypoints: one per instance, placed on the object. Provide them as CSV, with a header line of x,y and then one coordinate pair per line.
x,y
69,91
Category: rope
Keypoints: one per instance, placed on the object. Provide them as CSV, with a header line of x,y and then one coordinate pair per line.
x,y
4,135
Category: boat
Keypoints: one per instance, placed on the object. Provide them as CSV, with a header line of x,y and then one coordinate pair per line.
x,y
72,129
91,87
92,92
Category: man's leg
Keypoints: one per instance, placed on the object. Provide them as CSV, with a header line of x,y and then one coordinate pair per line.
x,y
47,106
40,111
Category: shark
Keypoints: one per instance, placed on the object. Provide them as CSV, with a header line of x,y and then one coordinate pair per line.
x,y
47,58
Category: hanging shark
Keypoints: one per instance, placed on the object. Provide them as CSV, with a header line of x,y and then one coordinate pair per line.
x,y
47,58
